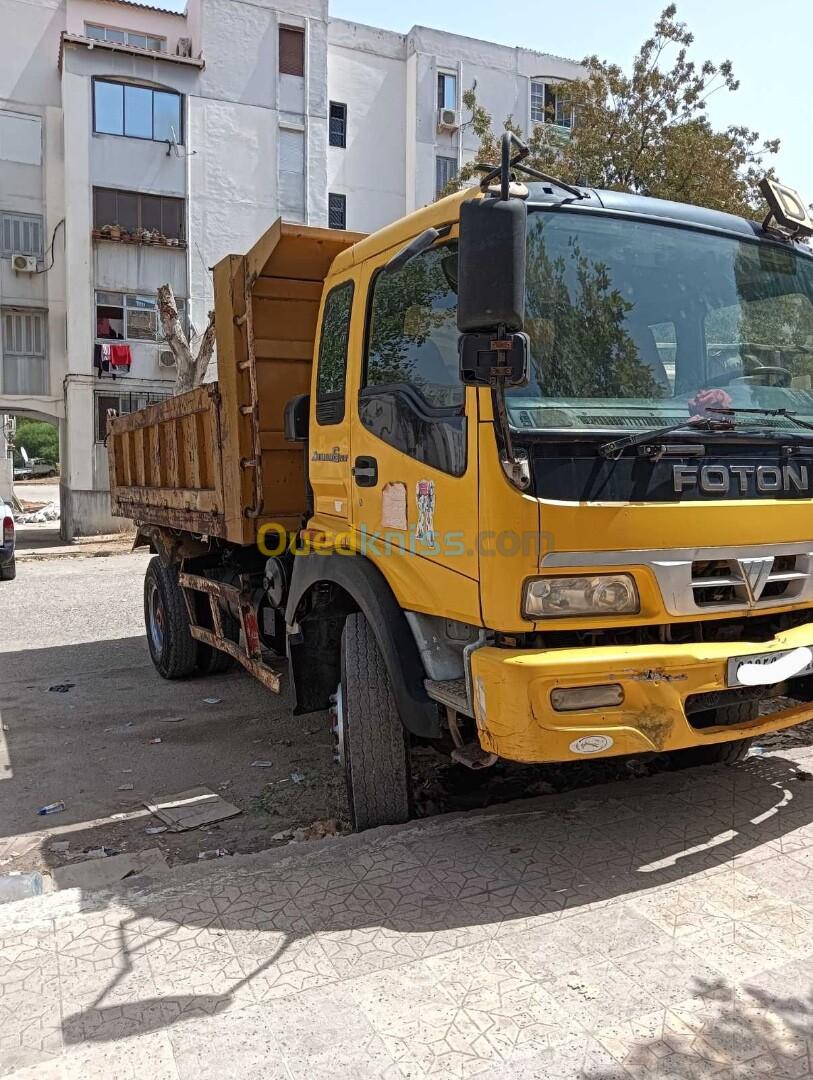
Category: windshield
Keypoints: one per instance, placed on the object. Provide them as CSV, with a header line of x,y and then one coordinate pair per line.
x,y
635,324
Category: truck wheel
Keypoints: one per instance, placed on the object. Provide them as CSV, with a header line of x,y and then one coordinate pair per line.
x,y
210,661
724,753
172,647
9,571
372,743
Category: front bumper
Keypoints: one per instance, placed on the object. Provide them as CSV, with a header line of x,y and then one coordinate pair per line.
x,y
515,719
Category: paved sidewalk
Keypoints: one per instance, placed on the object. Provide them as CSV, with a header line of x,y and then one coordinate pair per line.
x,y
655,928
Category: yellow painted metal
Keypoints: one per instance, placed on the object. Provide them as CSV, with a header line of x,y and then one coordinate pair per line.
x,y
515,719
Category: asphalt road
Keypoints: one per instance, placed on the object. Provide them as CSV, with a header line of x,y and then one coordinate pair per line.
x,y
79,621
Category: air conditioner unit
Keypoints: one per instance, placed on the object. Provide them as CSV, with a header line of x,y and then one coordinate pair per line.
x,y
448,120
24,264
184,47
166,358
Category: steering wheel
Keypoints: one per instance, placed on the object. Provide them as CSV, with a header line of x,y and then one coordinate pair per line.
x,y
782,374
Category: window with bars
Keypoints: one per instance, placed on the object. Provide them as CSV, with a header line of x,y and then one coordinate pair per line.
x,y
132,211
550,105
338,124
140,112
126,37
336,211
122,404
291,51
25,363
20,233
445,172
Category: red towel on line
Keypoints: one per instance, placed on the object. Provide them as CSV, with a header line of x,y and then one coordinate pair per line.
x,y
120,356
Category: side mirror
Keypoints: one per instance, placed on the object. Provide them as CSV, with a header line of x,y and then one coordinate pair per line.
x,y
491,265
484,358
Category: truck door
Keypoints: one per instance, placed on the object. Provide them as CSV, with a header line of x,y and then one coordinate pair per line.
x,y
329,444
413,436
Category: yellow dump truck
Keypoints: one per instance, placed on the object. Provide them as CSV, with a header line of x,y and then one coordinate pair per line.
x,y
526,475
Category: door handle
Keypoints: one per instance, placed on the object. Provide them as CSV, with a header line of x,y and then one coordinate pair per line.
x,y
365,471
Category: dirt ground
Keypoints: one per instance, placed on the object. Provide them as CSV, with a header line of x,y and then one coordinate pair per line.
x,y
77,623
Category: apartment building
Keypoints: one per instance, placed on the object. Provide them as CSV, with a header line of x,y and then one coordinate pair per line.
x,y
139,146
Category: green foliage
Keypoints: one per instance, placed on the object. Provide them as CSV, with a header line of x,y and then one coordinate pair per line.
x,y
39,439
645,131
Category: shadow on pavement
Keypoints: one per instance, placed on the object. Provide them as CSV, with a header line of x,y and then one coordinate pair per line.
x,y
316,916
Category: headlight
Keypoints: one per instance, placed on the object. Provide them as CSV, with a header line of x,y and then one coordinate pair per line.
x,y
601,594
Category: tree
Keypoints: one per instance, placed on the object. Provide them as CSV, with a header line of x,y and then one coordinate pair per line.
x,y
190,368
646,131
40,440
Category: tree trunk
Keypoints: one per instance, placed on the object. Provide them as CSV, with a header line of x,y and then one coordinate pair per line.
x,y
190,368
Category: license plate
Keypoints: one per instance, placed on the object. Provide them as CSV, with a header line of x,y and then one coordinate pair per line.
x,y
768,658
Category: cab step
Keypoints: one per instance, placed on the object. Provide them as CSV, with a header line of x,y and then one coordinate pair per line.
x,y
449,692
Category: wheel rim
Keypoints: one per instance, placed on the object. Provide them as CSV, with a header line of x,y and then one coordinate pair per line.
x,y
337,725
155,617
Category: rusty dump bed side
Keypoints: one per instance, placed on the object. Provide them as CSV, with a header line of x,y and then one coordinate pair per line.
x,y
214,460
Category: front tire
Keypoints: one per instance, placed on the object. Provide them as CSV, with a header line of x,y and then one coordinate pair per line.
x,y
172,647
724,753
373,744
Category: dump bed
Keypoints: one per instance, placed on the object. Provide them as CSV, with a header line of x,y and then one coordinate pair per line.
x,y
214,460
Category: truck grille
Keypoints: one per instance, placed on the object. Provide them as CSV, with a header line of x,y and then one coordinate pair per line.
x,y
745,582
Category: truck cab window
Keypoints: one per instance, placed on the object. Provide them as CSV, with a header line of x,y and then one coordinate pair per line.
x,y
412,396
413,329
332,369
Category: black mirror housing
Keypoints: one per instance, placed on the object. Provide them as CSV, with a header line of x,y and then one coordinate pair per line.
x,y
491,265
484,358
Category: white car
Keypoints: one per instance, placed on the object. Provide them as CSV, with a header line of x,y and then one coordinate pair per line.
x,y
8,562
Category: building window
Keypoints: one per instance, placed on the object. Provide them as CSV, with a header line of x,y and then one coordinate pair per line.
x,y
291,51
338,124
445,172
332,369
20,233
336,211
126,37
122,404
137,111
134,212
447,90
25,365
550,105
292,174
129,317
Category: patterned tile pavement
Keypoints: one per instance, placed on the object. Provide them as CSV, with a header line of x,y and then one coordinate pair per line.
x,y
657,928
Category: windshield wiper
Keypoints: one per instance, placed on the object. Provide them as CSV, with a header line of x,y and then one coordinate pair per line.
x,y
694,423
732,411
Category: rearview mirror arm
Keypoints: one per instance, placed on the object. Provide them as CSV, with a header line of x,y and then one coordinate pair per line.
x,y
516,468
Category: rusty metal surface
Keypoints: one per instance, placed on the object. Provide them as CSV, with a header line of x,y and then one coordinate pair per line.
x,y
250,658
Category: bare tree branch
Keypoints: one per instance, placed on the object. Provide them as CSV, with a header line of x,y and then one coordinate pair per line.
x,y
190,369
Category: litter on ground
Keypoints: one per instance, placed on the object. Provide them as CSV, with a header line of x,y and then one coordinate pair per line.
x,y
191,809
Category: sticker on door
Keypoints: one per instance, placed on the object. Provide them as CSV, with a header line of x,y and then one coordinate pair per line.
x,y
425,501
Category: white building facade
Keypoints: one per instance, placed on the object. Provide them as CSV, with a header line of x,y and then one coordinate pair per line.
x,y
139,147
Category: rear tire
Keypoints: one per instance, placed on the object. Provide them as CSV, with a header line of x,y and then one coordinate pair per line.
x,y
172,647
724,753
208,660
9,571
373,743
